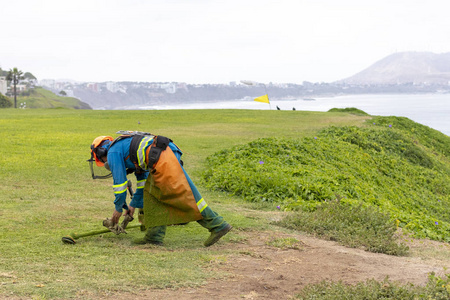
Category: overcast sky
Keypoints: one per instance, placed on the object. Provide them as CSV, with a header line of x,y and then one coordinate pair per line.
x,y
212,41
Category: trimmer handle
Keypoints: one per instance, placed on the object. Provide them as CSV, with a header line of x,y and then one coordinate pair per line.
x,y
130,189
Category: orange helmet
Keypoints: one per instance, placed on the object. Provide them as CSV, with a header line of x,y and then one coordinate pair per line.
x,y
97,151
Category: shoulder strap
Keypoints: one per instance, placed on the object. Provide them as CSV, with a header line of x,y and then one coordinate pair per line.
x,y
160,145
134,146
118,139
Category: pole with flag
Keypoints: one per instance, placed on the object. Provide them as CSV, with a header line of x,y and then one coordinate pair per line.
x,y
263,98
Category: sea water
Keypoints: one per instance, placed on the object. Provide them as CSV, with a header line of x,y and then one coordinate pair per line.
x,y
432,110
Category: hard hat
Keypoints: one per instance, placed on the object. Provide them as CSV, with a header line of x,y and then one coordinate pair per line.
x,y
97,150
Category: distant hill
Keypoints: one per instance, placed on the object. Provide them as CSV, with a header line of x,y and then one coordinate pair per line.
x,y
406,67
42,98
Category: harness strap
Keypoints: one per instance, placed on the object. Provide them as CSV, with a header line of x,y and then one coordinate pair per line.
x,y
153,152
160,144
136,138
134,146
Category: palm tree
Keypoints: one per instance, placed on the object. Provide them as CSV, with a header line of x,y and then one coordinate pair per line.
x,y
14,75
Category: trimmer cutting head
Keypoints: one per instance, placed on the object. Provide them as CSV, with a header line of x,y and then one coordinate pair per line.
x,y
68,240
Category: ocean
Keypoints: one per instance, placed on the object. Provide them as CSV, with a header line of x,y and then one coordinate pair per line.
x,y
432,110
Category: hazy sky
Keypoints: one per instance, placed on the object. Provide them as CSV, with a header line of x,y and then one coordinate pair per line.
x,y
212,41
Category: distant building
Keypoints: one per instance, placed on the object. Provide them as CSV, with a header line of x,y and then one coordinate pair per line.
x,y
50,83
112,87
59,86
93,87
31,83
20,88
182,86
170,88
3,85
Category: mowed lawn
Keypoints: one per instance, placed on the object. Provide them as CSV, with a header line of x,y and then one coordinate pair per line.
x,y
47,192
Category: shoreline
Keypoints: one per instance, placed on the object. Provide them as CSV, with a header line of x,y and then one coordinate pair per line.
x,y
430,109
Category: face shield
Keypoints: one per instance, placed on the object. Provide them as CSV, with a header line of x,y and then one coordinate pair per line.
x,y
99,172
99,168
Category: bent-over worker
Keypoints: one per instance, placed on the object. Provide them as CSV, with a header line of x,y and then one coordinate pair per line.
x,y
164,190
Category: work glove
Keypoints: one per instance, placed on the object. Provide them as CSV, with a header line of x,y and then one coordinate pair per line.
x,y
116,228
127,219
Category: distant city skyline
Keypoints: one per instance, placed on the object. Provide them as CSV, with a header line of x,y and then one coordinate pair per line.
x,y
211,41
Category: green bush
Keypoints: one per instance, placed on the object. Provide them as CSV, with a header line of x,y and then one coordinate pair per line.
x,y
351,110
428,137
400,171
352,226
437,288
392,142
5,102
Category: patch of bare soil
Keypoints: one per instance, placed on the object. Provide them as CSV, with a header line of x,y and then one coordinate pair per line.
x,y
260,271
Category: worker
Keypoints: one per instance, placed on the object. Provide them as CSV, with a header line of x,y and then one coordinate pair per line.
x,y
170,197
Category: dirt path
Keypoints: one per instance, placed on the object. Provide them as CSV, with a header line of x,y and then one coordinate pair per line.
x,y
260,271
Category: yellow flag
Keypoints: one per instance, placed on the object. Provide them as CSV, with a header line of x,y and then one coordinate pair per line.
x,y
264,99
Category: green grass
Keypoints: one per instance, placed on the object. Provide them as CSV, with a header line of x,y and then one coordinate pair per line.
x,y
47,193
286,243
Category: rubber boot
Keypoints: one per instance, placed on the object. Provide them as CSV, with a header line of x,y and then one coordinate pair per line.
x,y
212,220
154,236
216,235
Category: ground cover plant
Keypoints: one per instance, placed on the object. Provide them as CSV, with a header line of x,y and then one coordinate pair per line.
x,y
5,102
394,164
47,192
354,226
351,110
437,288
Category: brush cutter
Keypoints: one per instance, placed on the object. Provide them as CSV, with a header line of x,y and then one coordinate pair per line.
x,y
70,239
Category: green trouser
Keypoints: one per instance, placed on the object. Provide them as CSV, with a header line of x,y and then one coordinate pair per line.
x,y
211,221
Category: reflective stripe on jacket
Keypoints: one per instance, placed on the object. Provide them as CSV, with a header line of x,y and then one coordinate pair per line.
x,y
119,162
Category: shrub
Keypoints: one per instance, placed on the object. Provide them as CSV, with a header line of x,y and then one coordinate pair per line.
x,y
351,110
437,288
400,171
430,138
5,102
352,226
392,142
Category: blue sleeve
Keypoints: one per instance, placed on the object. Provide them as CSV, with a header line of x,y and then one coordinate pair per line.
x,y
175,150
119,172
138,198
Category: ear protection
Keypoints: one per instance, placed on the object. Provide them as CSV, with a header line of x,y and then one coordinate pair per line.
x,y
100,152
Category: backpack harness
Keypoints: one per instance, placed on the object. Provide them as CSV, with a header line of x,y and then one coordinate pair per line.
x,y
160,144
